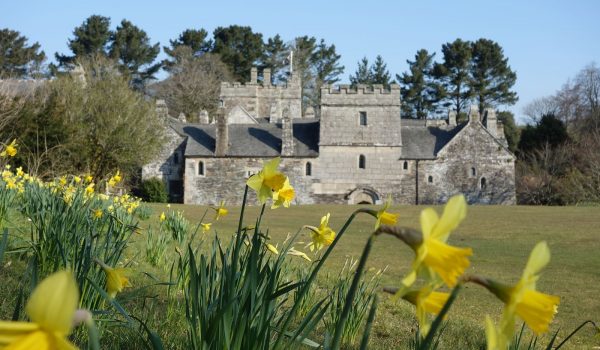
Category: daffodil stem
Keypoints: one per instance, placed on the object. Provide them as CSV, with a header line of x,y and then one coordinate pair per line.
x,y
440,317
341,324
365,340
575,331
239,230
304,288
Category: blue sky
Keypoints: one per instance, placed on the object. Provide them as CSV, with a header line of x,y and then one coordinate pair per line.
x,y
547,42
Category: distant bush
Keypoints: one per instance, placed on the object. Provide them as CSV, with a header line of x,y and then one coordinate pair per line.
x,y
153,190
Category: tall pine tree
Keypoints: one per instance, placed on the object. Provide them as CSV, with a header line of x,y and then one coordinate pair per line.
x,y
380,73
362,74
420,93
195,39
90,38
239,47
17,58
454,74
131,48
274,57
491,77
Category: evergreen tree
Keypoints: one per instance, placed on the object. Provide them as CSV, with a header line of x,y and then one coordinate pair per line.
x,y
195,39
90,38
420,93
239,47
454,74
511,130
491,77
362,74
380,73
17,58
549,130
274,57
131,48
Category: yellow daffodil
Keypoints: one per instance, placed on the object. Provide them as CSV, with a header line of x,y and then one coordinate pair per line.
x,y
88,178
383,217
298,253
77,179
50,308
427,301
20,172
162,217
321,236
98,213
283,196
89,190
115,179
116,279
272,248
267,181
205,227
10,150
62,181
535,308
433,256
221,211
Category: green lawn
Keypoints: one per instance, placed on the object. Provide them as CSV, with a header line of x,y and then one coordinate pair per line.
x,y
501,238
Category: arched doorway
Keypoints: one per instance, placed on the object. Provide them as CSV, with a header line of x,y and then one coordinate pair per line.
x,y
363,196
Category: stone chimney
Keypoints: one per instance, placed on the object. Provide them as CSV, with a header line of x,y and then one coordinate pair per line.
x,y
490,121
161,109
253,75
452,117
474,114
273,117
287,134
267,77
203,117
221,136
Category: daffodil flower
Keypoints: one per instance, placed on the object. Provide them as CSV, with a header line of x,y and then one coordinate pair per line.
x,y
284,195
162,217
51,309
267,181
98,213
114,180
427,301
272,248
321,236
298,253
10,150
535,308
88,179
383,217
221,211
205,227
433,256
116,279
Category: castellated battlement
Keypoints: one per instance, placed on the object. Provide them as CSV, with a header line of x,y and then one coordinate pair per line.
x,y
360,95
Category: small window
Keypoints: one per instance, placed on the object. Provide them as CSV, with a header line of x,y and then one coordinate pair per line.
x,y
473,172
176,158
308,170
405,166
362,118
221,103
430,179
483,183
361,162
201,168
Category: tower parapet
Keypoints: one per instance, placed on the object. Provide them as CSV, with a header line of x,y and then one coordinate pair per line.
x,y
361,95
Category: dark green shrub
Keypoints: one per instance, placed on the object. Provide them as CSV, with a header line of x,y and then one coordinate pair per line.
x,y
153,190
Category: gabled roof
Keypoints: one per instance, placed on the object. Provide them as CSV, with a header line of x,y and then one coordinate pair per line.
x,y
250,140
422,142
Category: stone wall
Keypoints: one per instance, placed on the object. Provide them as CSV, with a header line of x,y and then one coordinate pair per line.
x,y
341,110
263,100
224,179
471,157
168,164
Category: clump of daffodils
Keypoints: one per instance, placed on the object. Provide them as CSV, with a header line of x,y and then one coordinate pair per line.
x,y
270,183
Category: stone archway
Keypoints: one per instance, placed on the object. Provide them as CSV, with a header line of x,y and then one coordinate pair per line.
x,y
363,196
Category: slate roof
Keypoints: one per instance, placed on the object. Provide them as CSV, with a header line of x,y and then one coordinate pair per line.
x,y
250,140
422,142
264,139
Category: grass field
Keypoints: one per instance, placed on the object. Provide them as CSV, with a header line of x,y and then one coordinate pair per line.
x,y
501,238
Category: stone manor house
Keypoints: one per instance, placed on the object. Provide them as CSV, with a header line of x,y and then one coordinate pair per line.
x,y
358,150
